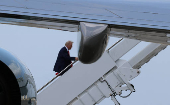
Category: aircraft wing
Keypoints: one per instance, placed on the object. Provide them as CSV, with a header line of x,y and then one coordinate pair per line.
x,y
145,21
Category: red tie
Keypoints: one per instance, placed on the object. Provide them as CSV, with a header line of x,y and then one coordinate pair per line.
x,y
69,55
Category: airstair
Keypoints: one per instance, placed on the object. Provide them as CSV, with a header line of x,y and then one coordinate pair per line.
x,y
89,84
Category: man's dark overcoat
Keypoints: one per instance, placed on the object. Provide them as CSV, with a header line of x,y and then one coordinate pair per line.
x,y
63,60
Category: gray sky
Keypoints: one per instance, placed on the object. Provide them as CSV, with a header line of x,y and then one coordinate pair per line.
x,y
38,49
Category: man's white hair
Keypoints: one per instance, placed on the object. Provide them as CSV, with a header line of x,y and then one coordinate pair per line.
x,y
68,43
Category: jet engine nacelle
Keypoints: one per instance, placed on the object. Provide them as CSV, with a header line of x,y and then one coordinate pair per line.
x,y
92,40
17,86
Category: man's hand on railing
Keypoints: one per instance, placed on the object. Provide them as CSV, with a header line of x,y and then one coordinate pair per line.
x,y
76,58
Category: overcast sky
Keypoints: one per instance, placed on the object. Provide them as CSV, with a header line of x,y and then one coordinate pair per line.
x,y
38,49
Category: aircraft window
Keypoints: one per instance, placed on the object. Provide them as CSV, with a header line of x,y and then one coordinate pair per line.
x,y
83,18
154,13
25,12
143,24
140,19
145,12
93,19
123,22
164,26
64,16
15,11
74,17
55,15
153,25
35,13
113,21
161,21
4,10
44,14
133,23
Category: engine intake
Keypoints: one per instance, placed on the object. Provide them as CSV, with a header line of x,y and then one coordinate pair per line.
x,y
92,40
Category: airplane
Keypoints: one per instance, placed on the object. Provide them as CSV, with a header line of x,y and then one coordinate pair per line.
x,y
95,22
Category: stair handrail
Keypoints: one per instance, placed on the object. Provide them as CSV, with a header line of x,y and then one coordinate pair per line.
x,y
56,76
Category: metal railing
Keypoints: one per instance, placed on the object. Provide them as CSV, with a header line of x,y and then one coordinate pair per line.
x,y
69,66
114,44
56,76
